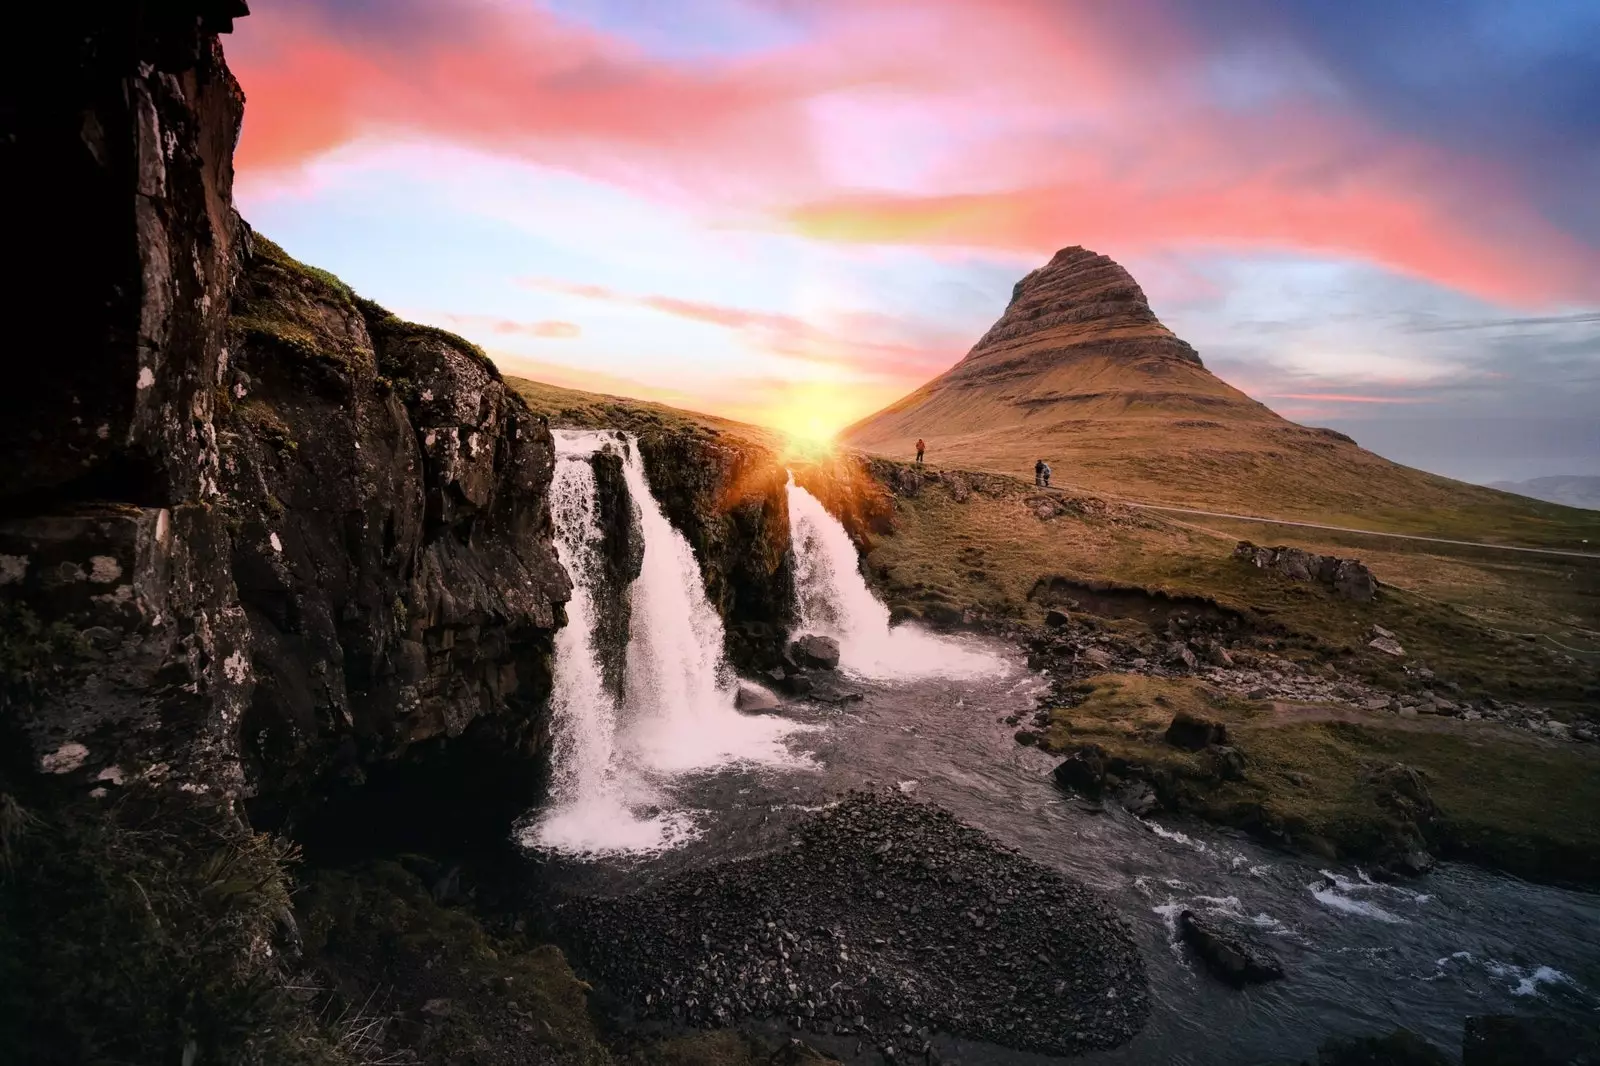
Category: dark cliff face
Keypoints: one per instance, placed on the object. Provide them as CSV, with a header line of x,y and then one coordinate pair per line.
x,y
116,161
392,548
727,497
622,560
294,543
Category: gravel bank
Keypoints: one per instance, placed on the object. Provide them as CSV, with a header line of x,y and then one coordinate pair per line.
x,y
886,918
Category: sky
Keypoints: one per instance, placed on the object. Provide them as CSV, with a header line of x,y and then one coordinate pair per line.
x,y
1381,217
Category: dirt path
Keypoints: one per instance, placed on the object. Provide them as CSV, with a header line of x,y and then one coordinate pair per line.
x,y
1362,532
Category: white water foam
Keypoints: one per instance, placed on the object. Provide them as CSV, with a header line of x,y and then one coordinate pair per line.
x,y
614,763
1333,892
836,602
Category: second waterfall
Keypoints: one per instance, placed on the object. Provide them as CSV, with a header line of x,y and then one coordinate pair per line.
x,y
622,736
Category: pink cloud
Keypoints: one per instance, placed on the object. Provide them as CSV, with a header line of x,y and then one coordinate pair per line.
x,y
548,329
1055,122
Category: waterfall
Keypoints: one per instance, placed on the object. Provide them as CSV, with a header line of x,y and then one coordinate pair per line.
x,y
836,602
614,760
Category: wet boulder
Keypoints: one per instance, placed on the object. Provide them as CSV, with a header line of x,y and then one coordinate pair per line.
x,y
815,652
1231,955
1083,770
1191,732
754,699
1057,619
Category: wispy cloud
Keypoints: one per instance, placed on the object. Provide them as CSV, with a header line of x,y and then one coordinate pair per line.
x,y
1337,397
1047,122
547,329
853,347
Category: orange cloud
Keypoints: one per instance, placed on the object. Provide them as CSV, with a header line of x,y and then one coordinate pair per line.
x,y
1389,212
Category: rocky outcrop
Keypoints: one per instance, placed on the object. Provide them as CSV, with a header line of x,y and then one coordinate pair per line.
x,y
1346,577
117,181
1080,296
727,498
622,560
1230,954
1191,732
392,545
302,544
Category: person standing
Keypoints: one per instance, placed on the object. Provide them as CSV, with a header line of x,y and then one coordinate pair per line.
x,y
1046,473
921,447
1038,472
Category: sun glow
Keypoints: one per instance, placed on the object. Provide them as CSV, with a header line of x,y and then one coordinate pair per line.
x,y
811,416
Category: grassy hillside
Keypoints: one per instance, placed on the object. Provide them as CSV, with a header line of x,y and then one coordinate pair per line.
x,y
1079,372
1504,625
576,409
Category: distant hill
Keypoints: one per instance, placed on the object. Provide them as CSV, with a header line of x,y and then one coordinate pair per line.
x,y
1079,371
1573,490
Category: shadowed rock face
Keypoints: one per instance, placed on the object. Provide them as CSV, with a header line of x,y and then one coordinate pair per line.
x,y
728,500
298,544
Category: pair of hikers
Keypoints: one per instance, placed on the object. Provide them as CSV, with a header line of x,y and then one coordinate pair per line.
x,y
1041,473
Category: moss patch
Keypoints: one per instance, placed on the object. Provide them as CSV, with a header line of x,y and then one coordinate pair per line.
x,y
1503,798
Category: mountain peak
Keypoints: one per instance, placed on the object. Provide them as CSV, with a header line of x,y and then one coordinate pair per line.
x,y
1080,298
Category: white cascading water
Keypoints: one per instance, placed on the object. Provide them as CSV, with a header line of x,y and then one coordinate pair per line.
x,y
613,764
836,602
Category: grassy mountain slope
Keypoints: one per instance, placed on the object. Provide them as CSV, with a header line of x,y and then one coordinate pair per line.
x,y
1079,372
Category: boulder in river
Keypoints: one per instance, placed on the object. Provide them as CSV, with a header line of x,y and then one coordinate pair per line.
x,y
1191,732
815,652
1231,956
755,699
1083,770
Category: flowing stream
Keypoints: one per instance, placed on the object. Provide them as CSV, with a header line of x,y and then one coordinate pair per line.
x,y
673,777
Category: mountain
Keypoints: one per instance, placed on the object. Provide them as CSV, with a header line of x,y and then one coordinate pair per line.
x,y
1080,372
1573,490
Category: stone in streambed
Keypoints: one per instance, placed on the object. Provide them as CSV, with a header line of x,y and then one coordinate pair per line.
x,y
1083,770
755,699
815,652
1230,955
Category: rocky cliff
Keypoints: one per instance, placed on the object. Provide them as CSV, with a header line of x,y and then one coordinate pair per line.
x,y
287,541
722,484
727,497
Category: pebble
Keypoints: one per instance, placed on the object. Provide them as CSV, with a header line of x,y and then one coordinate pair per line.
x,y
823,931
